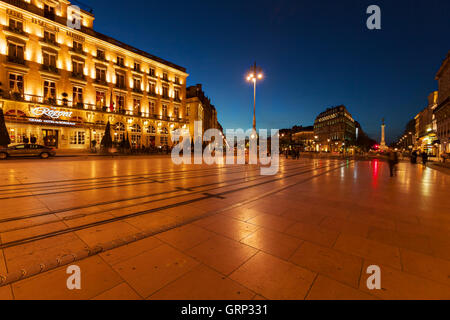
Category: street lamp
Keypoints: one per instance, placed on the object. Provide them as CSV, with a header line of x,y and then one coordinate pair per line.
x,y
254,75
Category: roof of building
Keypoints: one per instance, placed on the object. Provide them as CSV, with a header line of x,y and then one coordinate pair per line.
x,y
445,63
91,32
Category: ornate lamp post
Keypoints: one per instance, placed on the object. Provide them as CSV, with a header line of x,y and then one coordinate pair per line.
x,y
254,75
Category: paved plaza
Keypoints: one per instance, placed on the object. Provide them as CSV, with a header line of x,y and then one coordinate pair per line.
x,y
143,228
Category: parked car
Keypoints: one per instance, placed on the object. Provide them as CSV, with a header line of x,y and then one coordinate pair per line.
x,y
27,150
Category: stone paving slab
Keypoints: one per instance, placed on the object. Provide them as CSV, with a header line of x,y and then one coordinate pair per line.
x,y
314,240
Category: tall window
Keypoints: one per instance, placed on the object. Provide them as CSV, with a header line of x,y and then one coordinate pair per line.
x,y
16,25
16,82
188,111
16,52
137,67
101,54
100,99
120,102
77,68
151,108
137,84
49,59
137,105
49,37
152,87
164,140
100,75
77,95
165,93
49,12
177,80
177,94
120,80
151,72
120,61
49,90
176,112
77,138
164,110
78,47
165,76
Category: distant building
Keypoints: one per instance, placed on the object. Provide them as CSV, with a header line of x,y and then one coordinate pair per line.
x,y
426,127
334,130
304,138
199,108
442,110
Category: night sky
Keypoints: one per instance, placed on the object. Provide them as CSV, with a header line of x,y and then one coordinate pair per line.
x,y
315,54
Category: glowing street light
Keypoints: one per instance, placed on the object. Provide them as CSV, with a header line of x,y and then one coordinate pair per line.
x,y
254,75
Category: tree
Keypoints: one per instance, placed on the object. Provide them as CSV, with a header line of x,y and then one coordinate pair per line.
x,y
4,135
107,139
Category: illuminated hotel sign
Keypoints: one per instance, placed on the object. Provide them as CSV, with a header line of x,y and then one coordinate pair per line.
x,y
52,113
65,123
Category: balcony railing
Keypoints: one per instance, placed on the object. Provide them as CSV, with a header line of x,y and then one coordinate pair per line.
x,y
120,64
17,30
78,75
137,90
16,60
50,41
101,81
65,103
101,57
50,68
121,86
78,50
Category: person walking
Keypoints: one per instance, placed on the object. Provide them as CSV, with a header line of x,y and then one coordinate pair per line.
x,y
424,158
393,161
414,157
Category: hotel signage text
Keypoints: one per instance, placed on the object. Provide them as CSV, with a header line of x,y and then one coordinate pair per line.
x,y
52,113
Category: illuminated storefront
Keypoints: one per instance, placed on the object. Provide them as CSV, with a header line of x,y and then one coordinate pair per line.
x,y
67,128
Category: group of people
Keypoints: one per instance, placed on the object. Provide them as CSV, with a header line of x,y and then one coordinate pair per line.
x,y
423,155
295,153
393,159
27,140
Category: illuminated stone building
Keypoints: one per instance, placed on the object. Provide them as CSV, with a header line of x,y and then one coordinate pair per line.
x,y
304,138
199,108
334,130
442,111
61,85
426,127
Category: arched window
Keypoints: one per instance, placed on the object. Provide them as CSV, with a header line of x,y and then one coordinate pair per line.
x,y
136,128
119,127
15,113
151,130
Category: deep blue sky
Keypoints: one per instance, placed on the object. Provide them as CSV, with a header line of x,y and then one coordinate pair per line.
x,y
315,54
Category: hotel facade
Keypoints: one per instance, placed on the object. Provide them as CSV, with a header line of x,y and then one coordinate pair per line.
x,y
61,85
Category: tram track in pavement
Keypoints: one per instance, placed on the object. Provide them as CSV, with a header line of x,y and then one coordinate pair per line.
x,y
204,196
107,177
146,180
190,192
